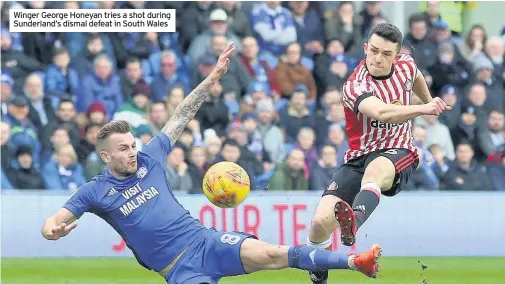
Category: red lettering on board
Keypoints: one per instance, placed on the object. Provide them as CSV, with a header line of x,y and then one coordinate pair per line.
x,y
281,208
248,227
204,210
297,227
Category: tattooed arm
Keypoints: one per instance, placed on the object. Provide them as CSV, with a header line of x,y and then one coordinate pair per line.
x,y
188,108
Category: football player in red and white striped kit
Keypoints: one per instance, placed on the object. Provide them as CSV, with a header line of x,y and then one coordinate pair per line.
x,y
378,101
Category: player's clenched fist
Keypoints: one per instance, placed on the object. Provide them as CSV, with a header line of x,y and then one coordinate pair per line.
x,y
59,231
436,107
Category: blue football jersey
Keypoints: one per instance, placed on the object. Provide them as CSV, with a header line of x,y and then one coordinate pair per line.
x,y
141,208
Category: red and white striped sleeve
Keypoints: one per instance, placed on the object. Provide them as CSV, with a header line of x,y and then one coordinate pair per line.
x,y
409,62
354,92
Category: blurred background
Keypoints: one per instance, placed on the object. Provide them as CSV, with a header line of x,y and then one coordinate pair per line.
x,y
277,112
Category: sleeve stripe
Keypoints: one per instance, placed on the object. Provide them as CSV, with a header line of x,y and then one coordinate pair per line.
x,y
359,100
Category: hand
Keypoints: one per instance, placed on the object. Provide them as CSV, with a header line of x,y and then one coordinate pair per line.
x,y
152,36
222,62
459,180
435,107
59,231
182,168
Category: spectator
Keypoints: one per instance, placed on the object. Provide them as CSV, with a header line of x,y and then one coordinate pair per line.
x,y
466,129
136,44
65,118
169,77
473,44
212,144
84,62
424,50
309,31
483,68
59,138
271,133
491,138
248,158
214,113
236,79
258,91
64,172
60,77
231,152
101,85
23,132
41,110
370,12
238,19
197,168
16,63
175,97
96,113
344,25
445,70
6,92
323,121
94,165
432,14
7,147
437,133
290,175
305,143
451,118
134,110
26,176
423,177
259,69
203,68
296,115
336,138
496,174
466,174
273,27
440,163
177,171
195,132
144,134
131,75
324,168
88,143
333,67
495,50
194,20
218,26
291,72
158,116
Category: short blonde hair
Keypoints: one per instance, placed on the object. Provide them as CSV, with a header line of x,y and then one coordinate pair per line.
x,y
69,149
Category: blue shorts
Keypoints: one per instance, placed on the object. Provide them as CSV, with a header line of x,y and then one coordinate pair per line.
x,y
213,256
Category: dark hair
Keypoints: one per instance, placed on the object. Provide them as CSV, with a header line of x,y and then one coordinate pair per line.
x,y
60,50
464,142
60,127
65,100
388,32
115,126
92,37
231,142
417,18
132,60
91,125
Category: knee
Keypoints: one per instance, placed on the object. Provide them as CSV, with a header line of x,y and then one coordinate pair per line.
x,y
319,224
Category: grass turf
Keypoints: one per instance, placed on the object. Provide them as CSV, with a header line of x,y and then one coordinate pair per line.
x,y
394,270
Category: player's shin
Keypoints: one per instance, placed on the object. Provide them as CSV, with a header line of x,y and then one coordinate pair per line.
x,y
365,202
311,259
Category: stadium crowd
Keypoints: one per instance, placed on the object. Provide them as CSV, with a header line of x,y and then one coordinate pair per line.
x,y
277,112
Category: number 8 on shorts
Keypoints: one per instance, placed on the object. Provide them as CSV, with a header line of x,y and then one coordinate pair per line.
x,y
230,239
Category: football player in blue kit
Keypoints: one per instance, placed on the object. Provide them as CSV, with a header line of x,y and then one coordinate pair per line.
x,y
134,197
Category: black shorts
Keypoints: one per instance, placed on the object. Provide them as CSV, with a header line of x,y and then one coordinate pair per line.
x,y
348,176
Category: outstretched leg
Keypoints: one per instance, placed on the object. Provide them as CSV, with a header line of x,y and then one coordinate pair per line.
x,y
257,255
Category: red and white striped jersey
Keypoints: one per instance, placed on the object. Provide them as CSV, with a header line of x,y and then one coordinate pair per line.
x,y
366,134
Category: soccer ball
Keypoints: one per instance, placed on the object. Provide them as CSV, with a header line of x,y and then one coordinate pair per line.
x,y
226,184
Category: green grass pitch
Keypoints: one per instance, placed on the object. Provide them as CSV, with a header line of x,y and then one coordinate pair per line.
x,y
394,270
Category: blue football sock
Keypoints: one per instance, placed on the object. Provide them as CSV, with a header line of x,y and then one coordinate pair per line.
x,y
307,258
